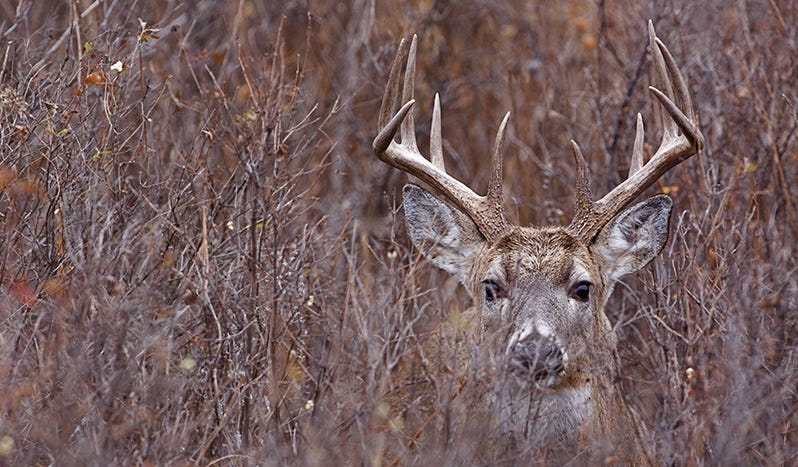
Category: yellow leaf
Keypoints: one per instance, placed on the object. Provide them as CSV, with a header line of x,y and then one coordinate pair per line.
x,y
148,37
397,424
6,445
97,157
188,364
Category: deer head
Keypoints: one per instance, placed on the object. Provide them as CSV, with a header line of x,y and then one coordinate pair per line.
x,y
543,288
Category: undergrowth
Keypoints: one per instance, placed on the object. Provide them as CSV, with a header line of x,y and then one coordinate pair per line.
x,y
201,260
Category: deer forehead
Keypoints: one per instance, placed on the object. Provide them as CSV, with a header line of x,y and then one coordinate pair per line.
x,y
549,253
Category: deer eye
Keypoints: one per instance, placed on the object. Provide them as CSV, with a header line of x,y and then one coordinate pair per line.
x,y
492,290
580,291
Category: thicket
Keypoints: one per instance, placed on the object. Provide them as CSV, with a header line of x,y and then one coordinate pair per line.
x,y
201,260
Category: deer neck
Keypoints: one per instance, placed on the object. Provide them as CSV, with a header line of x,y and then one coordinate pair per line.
x,y
587,409
614,429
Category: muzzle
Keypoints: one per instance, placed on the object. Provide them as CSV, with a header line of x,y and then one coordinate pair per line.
x,y
536,357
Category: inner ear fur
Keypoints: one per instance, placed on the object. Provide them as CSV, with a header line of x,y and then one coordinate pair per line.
x,y
635,237
444,235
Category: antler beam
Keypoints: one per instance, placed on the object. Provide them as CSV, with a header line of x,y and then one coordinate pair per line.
x,y
487,211
681,139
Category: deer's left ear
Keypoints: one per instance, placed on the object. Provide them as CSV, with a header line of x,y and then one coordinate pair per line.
x,y
635,237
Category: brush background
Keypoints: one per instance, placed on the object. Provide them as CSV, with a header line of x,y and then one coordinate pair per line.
x,y
201,260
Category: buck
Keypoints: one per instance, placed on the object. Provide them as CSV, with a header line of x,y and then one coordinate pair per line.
x,y
546,288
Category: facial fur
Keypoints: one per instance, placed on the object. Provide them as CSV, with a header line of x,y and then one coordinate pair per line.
x,y
540,292
535,272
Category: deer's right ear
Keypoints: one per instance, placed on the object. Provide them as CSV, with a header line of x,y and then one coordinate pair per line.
x,y
445,236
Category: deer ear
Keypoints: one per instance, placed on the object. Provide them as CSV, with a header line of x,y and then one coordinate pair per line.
x,y
445,236
635,237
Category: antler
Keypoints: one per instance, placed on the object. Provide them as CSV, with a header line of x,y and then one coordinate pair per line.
x,y
487,212
681,139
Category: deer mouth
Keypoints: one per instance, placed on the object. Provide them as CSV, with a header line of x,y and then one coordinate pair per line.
x,y
537,359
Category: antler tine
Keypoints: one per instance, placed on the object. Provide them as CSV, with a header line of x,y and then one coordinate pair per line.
x,y
486,211
676,99
583,203
495,191
685,123
681,139
409,125
637,149
435,139
384,138
680,91
661,77
390,100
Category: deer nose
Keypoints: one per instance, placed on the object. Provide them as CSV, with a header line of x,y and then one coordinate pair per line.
x,y
537,357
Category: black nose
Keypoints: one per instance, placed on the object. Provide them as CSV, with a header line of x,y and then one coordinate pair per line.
x,y
536,357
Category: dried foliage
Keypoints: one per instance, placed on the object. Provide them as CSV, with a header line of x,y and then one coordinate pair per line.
x,y
202,262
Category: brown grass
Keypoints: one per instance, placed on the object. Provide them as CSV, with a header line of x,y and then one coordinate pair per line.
x,y
202,262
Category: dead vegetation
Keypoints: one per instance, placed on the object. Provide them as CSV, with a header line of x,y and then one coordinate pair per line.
x,y
201,260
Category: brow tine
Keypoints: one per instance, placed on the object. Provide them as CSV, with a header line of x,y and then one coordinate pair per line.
x,y
495,190
583,201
